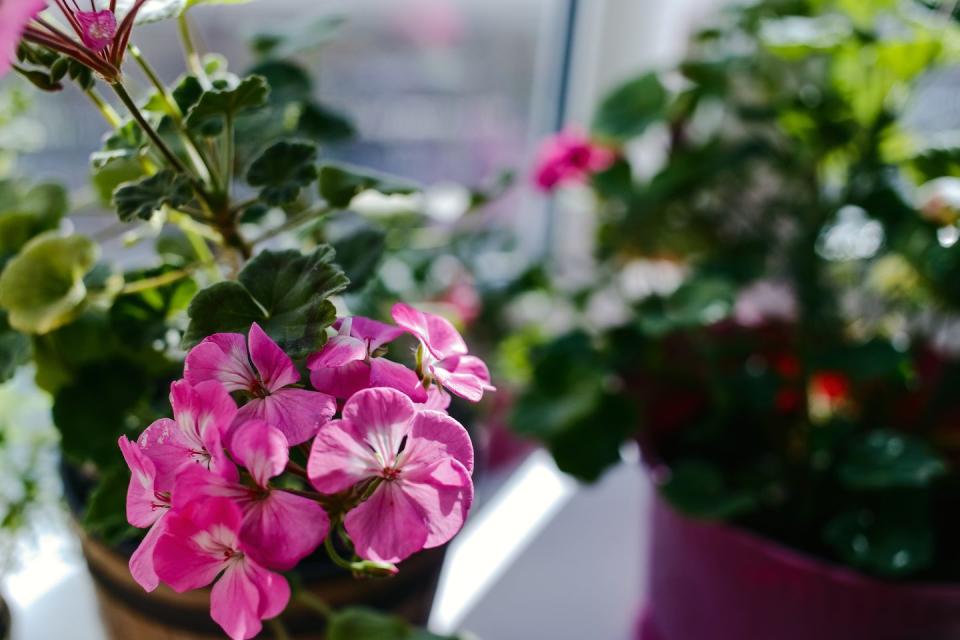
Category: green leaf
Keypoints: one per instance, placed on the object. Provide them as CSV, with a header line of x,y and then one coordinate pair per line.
x,y
887,459
95,409
282,170
892,540
319,122
42,288
209,113
141,198
357,623
297,38
144,317
105,515
359,252
628,111
26,214
699,489
340,183
284,291
14,349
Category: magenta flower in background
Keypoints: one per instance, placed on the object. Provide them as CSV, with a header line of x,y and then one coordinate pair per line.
x,y
348,362
570,157
202,541
443,353
14,17
260,368
202,415
282,527
147,502
420,460
765,302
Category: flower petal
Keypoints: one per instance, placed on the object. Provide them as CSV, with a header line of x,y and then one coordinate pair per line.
x,y
435,437
374,333
436,333
190,553
198,408
141,562
141,498
262,449
274,366
389,526
98,28
382,417
339,459
282,529
297,413
235,603
465,376
166,446
386,373
341,382
444,494
338,351
222,357
14,16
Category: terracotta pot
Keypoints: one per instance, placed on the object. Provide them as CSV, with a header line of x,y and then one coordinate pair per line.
x,y
714,582
129,612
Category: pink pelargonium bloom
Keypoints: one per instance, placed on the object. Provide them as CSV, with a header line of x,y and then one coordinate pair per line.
x,y
14,17
202,541
148,500
282,527
570,156
97,28
348,362
259,367
202,415
420,460
443,353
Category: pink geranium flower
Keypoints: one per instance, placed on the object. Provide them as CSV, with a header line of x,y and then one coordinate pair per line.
x,y
202,541
420,462
283,528
147,502
260,368
202,415
349,362
14,17
570,156
443,353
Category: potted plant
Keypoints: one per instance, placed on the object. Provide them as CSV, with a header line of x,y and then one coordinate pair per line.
x,y
273,446
777,328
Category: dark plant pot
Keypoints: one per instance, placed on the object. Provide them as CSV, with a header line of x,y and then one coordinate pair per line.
x,y
710,581
129,612
5,623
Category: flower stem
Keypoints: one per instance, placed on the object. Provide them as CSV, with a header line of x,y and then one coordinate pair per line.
x,y
109,113
148,129
157,281
190,49
296,469
316,603
278,629
197,157
298,220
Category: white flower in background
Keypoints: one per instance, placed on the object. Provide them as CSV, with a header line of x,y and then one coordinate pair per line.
x,y
765,302
854,236
939,200
640,279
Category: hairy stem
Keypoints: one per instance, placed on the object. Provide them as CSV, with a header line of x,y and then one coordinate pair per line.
x,y
148,129
157,281
190,50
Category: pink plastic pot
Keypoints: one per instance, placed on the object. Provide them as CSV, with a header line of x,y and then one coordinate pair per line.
x,y
714,582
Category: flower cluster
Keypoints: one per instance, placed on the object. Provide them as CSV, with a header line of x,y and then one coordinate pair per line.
x,y
570,156
226,502
98,40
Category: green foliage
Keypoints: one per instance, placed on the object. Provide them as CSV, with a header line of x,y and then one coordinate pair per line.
x,y
889,460
359,249
216,107
42,288
142,198
14,349
282,170
699,489
367,624
628,111
340,183
26,213
286,292
572,407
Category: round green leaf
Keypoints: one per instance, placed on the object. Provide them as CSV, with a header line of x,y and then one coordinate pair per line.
x,y
42,288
